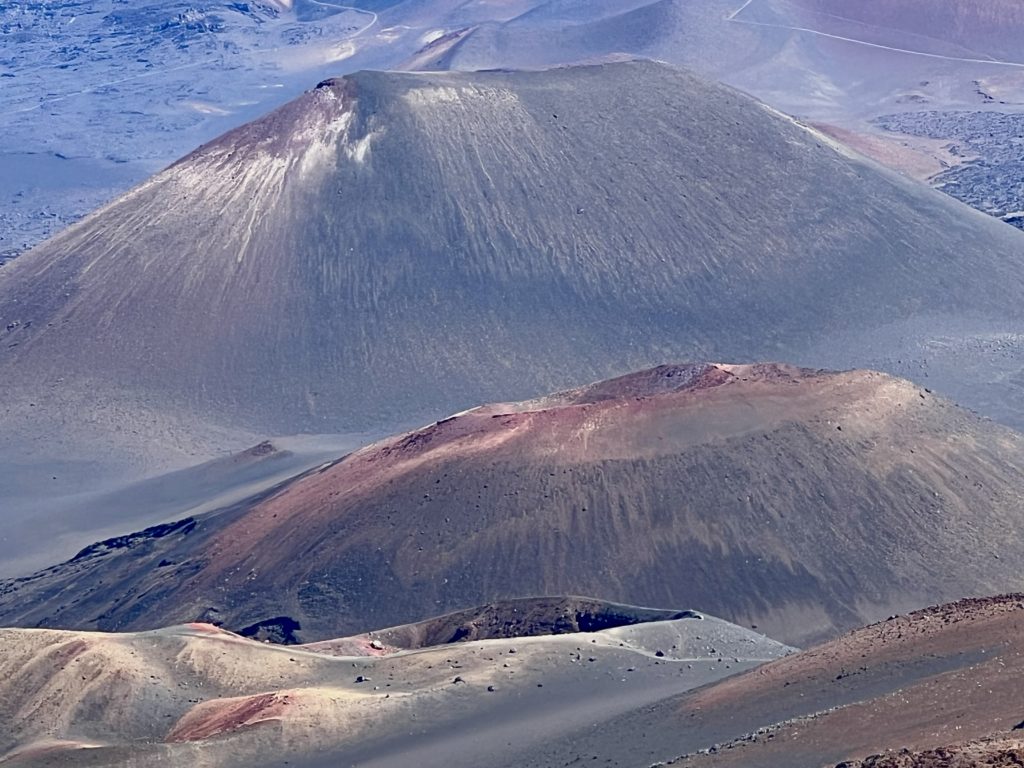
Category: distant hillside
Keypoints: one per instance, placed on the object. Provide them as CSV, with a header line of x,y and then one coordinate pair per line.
x,y
164,697
910,687
390,246
802,502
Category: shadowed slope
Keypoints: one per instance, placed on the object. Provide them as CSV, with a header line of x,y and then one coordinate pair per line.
x,y
921,681
800,501
42,525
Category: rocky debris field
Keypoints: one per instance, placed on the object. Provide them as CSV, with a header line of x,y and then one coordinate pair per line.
x,y
993,181
977,754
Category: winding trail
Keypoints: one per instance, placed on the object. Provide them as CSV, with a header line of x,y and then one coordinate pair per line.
x,y
373,20
738,11
994,62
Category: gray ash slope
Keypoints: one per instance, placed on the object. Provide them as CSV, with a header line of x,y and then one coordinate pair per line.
x,y
393,245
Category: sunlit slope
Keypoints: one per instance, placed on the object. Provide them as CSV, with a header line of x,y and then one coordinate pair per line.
x,y
390,246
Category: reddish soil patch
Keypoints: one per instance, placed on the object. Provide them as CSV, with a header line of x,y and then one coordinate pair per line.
x,y
69,651
917,157
217,717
